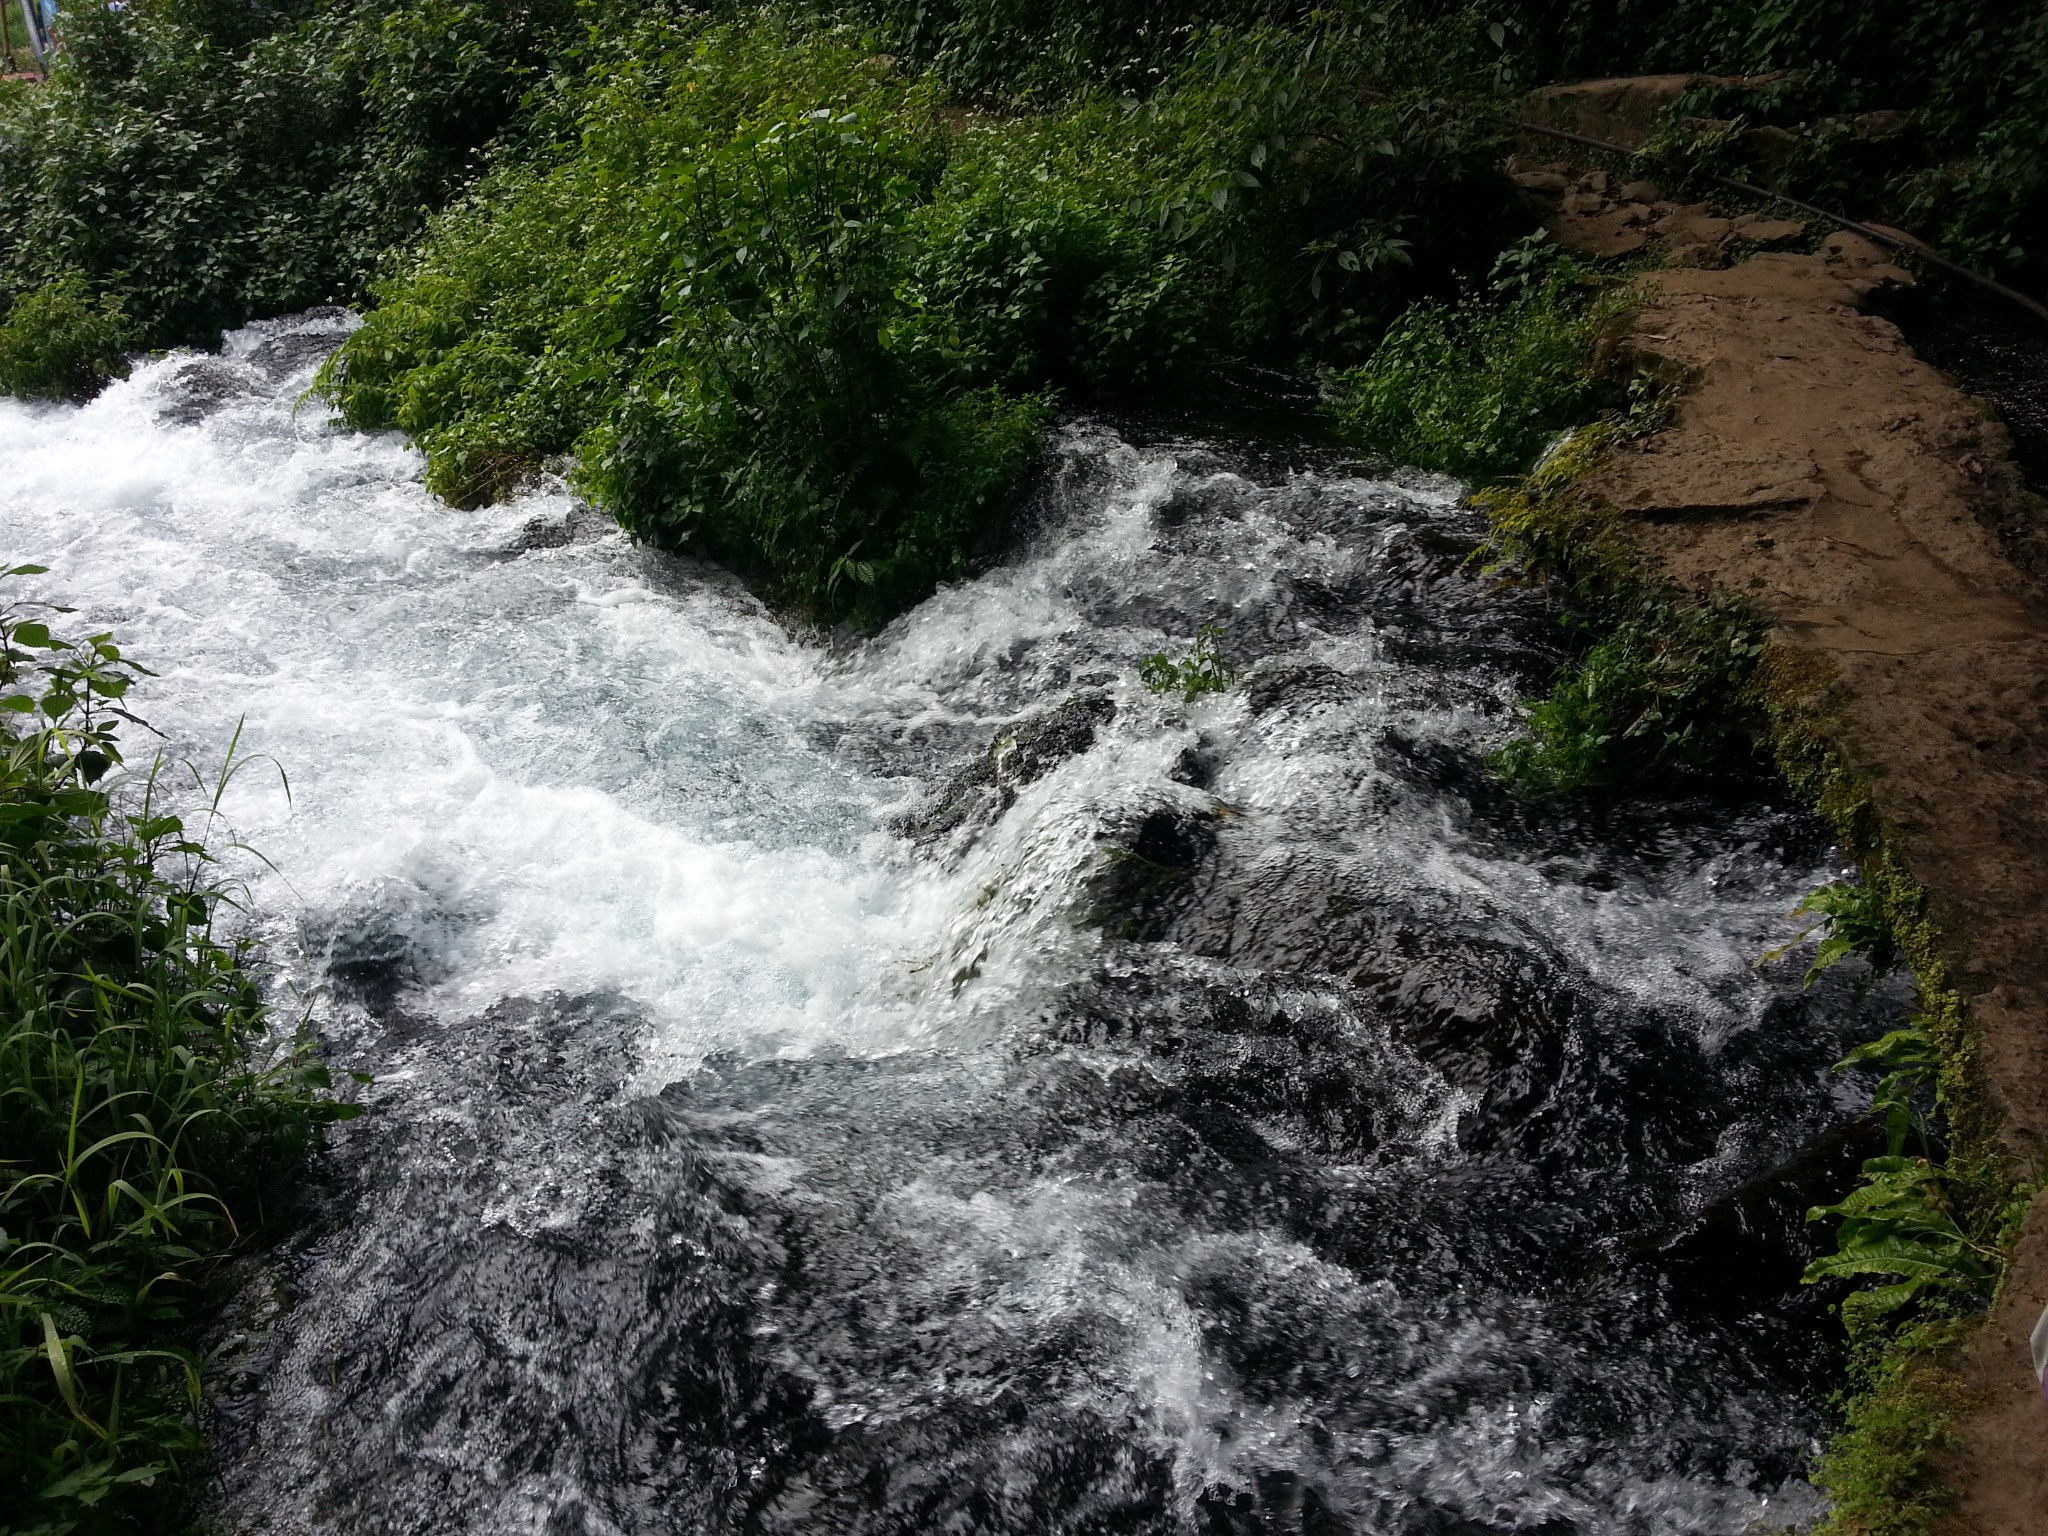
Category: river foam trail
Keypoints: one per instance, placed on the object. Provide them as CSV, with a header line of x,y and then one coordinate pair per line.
x,y
933,1083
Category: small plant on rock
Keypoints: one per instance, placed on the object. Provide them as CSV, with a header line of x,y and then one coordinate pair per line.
x,y
1198,670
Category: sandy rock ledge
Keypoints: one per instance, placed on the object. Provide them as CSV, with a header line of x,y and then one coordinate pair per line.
x,y
1871,509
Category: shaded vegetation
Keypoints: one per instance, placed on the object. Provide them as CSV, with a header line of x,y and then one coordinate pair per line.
x,y
1479,388
1883,1470
1934,116
1661,691
205,161
1505,387
144,1100
1937,1227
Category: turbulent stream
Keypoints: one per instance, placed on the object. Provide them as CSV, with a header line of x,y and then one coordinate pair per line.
x,y
930,1083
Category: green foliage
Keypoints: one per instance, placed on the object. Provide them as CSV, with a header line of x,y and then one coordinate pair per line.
x,y
142,1098
1960,154
698,298
1909,1060
205,162
1853,920
1898,1222
62,343
1015,51
779,308
1479,388
1198,670
1663,689
1691,151
1883,1472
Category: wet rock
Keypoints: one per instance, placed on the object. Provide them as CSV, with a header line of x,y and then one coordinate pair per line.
x,y
388,939
308,337
1143,866
1197,767
201,388
1294,687
557,530
1021,754
1753,1244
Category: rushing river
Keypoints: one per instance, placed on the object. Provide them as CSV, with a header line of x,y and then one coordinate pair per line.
x,y
931,1083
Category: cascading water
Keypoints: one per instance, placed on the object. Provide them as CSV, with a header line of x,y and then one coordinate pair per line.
x,y
932,1083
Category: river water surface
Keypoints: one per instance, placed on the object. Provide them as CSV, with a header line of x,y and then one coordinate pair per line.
x,y
931,1083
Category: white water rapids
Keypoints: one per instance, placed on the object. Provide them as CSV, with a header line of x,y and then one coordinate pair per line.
x,y
932,1083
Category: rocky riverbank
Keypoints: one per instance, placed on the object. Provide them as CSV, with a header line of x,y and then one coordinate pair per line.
x,y
1871,509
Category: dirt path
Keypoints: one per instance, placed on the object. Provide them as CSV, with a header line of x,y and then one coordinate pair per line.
x,y
1870,507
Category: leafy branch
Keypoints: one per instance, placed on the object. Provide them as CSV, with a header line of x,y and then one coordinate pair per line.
x,y
1198,670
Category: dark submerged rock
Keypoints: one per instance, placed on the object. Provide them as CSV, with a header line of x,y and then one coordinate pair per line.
x,y
1022,753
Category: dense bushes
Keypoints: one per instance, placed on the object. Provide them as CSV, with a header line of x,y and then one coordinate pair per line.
x,y
62,342
1660,683
1958,150
785,309
141,1104
1662,692
1962,158
886,301
1012,51
203,161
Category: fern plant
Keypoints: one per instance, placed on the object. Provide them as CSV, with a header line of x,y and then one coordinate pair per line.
x,y
1898,1223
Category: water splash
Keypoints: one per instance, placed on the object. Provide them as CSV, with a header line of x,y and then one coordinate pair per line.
x,y
932,1083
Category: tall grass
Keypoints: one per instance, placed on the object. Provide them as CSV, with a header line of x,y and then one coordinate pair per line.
x,y
144,1100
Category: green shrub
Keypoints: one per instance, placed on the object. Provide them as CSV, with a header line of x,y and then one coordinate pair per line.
x,y
60,342
1665,681
1663,690
698,297
208,162
1479,388
1010,51
1199,669
143,1101
783,310
1885,1471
